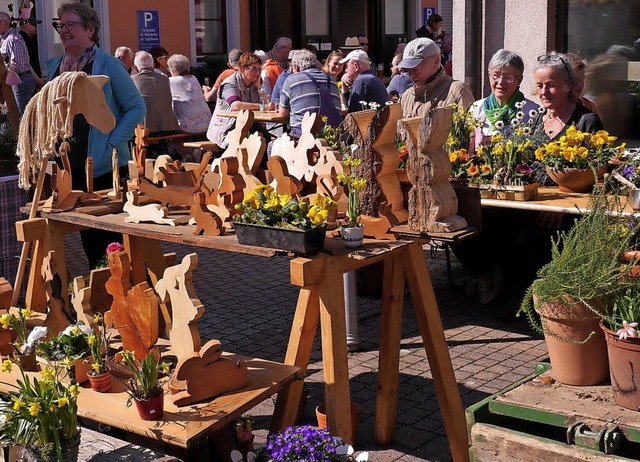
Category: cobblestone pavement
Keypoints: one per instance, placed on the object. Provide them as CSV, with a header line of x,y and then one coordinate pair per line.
x,y
249,306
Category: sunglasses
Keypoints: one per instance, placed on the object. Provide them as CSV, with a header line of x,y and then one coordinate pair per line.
x,y
364,44
552,58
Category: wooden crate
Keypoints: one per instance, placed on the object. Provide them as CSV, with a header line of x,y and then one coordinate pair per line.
x,y
539,419
526,192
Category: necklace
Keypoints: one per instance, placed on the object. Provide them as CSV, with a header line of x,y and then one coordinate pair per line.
x,y
553,124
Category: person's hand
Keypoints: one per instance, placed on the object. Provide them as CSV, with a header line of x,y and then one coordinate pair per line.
x,y
270,106
346,83
206,88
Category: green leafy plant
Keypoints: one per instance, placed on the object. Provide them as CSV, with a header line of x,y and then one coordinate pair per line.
x,y
263,206
144,384
625,312
354,184
584,262
40,413
70,345
462,126
98,342
19,324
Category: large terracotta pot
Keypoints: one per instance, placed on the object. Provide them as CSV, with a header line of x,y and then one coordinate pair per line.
x,y
576,344
577,180
624,362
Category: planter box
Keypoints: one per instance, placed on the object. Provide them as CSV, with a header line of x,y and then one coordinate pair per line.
x,y
298,241
526,192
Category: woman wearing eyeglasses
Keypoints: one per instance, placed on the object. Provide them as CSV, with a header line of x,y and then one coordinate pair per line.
x,y
506,102
555,81
237,92
78,28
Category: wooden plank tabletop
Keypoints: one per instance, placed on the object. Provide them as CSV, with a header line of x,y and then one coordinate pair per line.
x,y
551,200
179,426
259,116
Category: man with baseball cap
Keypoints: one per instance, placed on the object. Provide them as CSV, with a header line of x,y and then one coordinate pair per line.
x,y
432,87
359,83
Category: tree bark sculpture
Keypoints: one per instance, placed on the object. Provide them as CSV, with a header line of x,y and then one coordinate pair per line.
x,y
432,203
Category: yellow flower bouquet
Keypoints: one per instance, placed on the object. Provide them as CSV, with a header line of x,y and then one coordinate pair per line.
x,y
41,414
354,184
577,149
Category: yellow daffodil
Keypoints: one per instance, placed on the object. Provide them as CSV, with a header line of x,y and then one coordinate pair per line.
x,y
74,389
66,362
75,330
34,409
96,367
62,402
5,320
453,156
6,365
164,368
92,339
48,374
97,318
17,404
26,313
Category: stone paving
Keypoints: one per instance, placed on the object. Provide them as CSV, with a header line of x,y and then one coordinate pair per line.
x,y
249,307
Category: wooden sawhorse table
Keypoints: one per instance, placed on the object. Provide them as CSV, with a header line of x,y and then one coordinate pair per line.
x,y
321,298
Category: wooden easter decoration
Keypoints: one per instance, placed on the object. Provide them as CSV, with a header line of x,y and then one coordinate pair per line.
x,y
100,300
116,192
58,318
175,195
284,183
244,169
134,311
234,138
62,197
143,213
80,300
374,133
378,227
222,201
173,173
433,204
5,294
205,374
176,286
206,221
296,155
140,148
90,197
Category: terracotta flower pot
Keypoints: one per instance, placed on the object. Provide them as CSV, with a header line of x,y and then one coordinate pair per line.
x,y
151,409
321,415
100,382
577,180
624,362
576,344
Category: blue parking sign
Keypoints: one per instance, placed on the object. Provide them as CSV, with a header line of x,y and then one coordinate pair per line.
x,y
426,12
148,29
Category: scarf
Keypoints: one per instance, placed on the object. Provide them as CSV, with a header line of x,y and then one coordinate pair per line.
x,y
506,113
68,64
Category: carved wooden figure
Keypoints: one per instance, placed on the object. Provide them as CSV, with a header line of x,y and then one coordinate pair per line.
x,y
326,171
100,300
297,154
143,213
222,200
176,286
62,197
206,374
174,195
378,227
173,173
5,294
116,192
374,133
284,183
80,299
433,204
235,137
140,148
90,197
134,311
58,318
244,168
206,221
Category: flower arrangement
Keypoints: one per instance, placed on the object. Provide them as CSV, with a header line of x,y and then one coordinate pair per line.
x,y
98,345
25,344
577,149
144,384
113,247
263,206
462,127
70,345
303,443
630,171
459,164
625,313
41,414
505,158
354,184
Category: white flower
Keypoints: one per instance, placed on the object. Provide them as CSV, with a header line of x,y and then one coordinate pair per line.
x,y
627,330
542,110
520,104
389,103
37,334
526,130
363,102
499,124
353,148
515,123
533,113
520,115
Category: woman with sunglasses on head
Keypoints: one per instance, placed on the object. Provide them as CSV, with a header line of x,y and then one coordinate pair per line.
x,y
78,29
506,102
237,92
555,81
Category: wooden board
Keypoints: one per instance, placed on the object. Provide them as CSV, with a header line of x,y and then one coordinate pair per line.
x,y
260,116
181,427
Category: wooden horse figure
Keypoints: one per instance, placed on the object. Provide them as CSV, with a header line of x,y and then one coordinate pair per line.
x,y
176,286
134,311
205,374
207,222
58,318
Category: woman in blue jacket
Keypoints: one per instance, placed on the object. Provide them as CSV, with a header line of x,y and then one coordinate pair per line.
x,y
78,28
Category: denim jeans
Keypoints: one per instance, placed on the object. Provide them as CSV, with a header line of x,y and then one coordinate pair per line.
x,y
24,91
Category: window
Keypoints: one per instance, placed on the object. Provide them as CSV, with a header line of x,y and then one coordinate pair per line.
x,y
211,29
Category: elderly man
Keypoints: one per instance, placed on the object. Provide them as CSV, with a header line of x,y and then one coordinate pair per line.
x,y
359,83
16,56
432,87
125,55
156,93
276,64
308,89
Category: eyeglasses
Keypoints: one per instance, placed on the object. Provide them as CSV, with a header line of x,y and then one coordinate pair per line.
x,y
506,78
364,44
162,57
545,58
59,26
254,68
